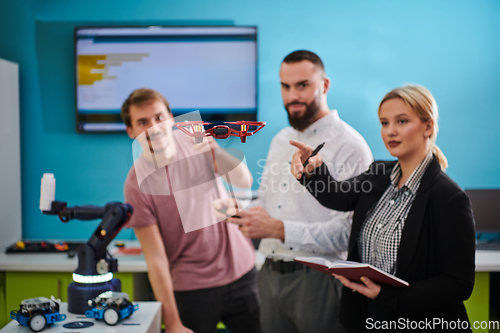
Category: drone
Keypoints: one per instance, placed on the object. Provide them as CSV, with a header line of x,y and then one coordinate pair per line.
x,y
219,131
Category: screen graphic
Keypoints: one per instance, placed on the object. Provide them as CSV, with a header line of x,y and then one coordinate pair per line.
x,y
209,69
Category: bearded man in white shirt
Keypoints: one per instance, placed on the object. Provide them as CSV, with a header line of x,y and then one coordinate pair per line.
x,y
288,219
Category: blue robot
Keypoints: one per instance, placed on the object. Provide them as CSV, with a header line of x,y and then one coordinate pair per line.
x,y
111,306
37,313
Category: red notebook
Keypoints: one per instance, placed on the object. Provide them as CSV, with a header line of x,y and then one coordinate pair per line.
x,y
352,270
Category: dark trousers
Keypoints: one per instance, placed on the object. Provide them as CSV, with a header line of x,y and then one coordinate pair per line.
x,y
297,299
235,304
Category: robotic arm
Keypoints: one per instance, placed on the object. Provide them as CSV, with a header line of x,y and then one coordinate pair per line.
x,y
94,274
93,259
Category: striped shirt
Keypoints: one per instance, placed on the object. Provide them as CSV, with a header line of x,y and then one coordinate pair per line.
x,y
381,233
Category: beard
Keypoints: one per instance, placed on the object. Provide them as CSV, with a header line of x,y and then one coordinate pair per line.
x,y
302,122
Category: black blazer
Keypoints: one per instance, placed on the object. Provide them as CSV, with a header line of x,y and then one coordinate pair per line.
x,y
436,254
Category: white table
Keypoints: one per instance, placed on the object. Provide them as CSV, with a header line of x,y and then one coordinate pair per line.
x,y
487,261
147,319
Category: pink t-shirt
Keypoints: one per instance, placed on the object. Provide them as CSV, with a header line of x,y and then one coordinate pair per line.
x,y
202,252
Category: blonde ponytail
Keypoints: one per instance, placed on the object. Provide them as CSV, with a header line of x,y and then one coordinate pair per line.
x,y
443,161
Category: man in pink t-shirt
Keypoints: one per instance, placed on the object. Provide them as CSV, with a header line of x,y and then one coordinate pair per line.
x,y
201,270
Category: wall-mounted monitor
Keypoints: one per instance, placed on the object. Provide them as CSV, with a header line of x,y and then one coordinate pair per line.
x,y
210,69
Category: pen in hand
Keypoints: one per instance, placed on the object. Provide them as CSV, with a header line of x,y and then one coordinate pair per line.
x,y
314,153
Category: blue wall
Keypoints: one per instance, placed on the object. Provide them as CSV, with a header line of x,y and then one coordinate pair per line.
x,y
368,47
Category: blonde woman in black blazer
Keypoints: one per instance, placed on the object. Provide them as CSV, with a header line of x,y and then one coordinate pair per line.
x,y
435,249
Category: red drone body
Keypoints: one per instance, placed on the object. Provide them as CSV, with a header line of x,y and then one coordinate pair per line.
x,y
219,131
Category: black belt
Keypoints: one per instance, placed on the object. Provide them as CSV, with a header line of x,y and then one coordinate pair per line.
x,y
284,267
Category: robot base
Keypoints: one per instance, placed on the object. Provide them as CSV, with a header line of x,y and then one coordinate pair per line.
x,y
80,293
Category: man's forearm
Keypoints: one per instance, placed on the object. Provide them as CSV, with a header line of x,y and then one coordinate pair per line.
x,y
159,276
229,165
161,282
326,237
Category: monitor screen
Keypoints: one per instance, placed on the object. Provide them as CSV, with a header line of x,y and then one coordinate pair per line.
x,y
486,208
210,69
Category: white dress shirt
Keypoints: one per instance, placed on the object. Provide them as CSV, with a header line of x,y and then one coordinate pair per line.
x,y
310,228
